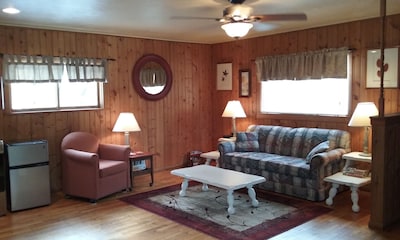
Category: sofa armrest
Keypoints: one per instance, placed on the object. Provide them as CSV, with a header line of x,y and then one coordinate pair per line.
x,y
325,158
80,164
81,157
226,147
327,163
80,167
114,152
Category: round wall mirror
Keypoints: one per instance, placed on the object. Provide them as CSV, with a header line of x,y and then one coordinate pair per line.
x,y
152,77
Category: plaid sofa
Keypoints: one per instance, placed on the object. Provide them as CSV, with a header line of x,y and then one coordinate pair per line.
x,y
294,161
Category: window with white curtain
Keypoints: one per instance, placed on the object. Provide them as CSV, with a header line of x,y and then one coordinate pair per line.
x,y
40,83
316,83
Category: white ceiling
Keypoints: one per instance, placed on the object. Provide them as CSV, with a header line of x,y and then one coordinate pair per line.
x,y
153,18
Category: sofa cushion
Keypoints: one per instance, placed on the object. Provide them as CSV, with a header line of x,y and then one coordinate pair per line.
x,y
247,142
111,167
322,147
260,163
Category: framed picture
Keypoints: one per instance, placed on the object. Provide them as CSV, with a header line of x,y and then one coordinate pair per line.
x,y
391,69
244,83
224,76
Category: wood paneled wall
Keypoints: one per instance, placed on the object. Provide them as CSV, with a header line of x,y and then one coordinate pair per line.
x,y
358,35
189,117
170,127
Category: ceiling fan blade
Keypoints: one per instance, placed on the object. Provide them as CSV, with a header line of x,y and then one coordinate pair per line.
x,y
280,17
194,18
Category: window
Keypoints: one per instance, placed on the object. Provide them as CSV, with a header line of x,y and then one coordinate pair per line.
x,y
316,97
55,96
53,84
304,90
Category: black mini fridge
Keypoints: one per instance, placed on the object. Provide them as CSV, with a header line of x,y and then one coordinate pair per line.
x,y
28,175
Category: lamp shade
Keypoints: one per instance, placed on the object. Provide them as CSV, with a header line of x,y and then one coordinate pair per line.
x,y
234,109
126,122
362,114
237,29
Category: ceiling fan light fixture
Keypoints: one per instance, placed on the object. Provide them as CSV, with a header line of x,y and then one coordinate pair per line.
x,y
237,29
11,10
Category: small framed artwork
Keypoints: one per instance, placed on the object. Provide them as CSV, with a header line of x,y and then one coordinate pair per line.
x,y
224,76
244,83
390,68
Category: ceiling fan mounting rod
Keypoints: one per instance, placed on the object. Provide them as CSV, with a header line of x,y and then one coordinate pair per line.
x,y
236,1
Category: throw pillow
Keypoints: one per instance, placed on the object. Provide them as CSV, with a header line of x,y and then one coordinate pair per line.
x,y
322,147
247,142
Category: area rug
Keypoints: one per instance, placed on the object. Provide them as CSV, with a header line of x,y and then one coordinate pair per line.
x,y
207,211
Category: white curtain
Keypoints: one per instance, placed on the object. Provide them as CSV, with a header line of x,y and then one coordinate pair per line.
x,y
18,68
86,69
326,63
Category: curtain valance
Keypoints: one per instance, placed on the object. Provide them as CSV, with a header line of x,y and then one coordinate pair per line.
x,y
326,63
86,69
19,69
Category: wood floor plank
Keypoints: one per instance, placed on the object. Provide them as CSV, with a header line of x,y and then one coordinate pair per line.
x,y
110,218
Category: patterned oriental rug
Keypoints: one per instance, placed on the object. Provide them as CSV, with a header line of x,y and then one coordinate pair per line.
x,y
207,211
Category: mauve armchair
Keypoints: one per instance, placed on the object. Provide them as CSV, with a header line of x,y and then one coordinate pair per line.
x,y
93,170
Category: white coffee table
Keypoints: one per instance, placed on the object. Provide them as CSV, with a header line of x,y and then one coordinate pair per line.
x,y
223,178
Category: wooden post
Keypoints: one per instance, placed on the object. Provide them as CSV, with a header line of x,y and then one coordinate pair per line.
x,y
385,194
383,30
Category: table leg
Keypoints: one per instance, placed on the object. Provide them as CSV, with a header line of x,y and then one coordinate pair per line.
x,y
332,194
204,187
354,199
130,174
252,195
184,186
151,171
231,209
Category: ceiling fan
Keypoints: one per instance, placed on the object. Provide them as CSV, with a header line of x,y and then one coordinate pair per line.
x,y
237,19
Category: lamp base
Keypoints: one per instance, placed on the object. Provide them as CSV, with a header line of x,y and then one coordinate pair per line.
x,y
365,152
126,135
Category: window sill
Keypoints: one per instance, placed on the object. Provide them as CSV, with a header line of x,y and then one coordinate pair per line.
x,y
303,117
53,110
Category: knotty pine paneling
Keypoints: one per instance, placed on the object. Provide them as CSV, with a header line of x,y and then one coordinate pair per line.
x,y
190,116
170,127
358,35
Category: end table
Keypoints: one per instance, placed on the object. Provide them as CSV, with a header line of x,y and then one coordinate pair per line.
x,y
213,155
353,182
140,156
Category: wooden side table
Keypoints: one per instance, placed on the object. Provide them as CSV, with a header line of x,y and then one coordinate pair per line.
x,y
140,156
353,182
213,155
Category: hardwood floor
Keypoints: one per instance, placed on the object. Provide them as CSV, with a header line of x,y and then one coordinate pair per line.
x,y
113,219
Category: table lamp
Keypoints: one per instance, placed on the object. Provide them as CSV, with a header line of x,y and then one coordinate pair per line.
x,y
234,110
126,123
361,118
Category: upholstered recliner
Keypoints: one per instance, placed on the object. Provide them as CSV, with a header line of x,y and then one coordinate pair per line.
x,y
93,170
